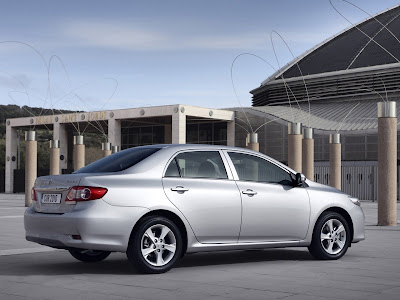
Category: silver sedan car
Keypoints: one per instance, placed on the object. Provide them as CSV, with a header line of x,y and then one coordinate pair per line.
x,y
158,202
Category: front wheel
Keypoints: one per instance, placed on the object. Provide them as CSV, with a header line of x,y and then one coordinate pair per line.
x,y
331,237
89,255
155,245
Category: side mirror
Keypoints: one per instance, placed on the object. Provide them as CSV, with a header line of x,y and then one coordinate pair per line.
x,y
300,178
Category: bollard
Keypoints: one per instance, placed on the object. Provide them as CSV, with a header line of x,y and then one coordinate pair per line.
x,y
253,142
335,161
54,157
106,149
387,164
114,149
294,147
308,153
30,165
79,152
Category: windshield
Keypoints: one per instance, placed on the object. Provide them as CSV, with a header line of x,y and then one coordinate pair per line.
x,y
119,161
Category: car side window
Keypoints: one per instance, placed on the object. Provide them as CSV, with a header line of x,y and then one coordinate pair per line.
x,y
199,164
172,170
253,168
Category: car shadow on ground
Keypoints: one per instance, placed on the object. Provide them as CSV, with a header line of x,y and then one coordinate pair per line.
x,y
61,263
239,257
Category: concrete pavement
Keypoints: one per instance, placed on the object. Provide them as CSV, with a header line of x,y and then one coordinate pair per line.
x,y
369,270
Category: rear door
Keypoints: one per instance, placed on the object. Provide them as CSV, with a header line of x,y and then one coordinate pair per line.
x,y
198,184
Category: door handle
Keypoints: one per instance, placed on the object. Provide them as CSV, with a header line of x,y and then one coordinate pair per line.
x,y
179,189
249,192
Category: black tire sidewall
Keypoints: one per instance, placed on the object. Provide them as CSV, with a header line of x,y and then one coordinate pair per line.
x,y
134,251
316,247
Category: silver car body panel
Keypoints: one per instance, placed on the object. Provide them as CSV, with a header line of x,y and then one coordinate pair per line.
x,y
107,223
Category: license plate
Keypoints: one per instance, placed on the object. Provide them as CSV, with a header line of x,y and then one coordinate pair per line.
x,y
51,198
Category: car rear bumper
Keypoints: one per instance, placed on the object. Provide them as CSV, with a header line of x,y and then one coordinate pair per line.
x,y
100,226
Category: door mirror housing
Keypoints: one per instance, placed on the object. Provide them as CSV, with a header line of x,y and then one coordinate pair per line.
x,y
299,179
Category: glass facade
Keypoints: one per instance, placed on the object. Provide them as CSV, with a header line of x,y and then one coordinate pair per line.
x,y
214,133
142,135
197,132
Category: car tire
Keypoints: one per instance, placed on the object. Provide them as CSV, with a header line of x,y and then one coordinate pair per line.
x,y
155,245
89,255
331,237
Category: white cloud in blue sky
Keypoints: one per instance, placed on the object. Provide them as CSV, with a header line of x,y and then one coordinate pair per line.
x,y
160,52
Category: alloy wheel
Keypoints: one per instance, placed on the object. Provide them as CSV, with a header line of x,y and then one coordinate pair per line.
x,y
158,245
333,236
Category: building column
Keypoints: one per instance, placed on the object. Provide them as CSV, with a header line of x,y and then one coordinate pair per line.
x,y
294,146
79,152
335,161
114,132
60,133
11,156
54,157
387,164
308,153
106,149
179,126
30,165
167,133
253,142
230,134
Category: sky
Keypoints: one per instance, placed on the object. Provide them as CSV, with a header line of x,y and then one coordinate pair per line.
x,y
94,55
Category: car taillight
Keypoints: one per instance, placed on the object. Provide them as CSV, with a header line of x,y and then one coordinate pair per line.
x,y
33,195
84,193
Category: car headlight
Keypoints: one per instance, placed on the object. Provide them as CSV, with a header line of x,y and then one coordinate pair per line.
x,y
355,201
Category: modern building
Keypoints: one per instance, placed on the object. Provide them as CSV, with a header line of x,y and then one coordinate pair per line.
x,y
332,88
178,124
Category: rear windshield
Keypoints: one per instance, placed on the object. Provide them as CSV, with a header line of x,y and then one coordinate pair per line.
x,y
119,161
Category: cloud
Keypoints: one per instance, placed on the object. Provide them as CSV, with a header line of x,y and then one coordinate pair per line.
x,y
133,37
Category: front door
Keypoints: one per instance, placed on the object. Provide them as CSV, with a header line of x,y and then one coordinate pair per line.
x,y
196,182
273,209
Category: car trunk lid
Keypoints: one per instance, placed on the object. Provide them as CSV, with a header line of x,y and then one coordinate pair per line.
x,y
51,192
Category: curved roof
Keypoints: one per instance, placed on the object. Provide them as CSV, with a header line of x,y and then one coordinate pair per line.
x,y
351,49
361,115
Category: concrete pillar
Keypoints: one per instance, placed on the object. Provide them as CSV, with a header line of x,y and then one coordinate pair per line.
x,y
11,156
335,161
308,153
54,157
179,126
387,164
294,147
79,152
230,134
30,165
168,134
115,149
253,142
106,149
114,132
60,133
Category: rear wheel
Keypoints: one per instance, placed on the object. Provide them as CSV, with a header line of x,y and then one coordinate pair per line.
x,y
89,255
155,245
331,237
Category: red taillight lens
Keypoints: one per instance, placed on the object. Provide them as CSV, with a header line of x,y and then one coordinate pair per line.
x,y
33,194
84,193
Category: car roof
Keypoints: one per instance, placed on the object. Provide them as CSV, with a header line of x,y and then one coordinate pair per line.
x,y
195,146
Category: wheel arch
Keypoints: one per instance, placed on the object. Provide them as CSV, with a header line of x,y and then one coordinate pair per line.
x,y
171,216
345,215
